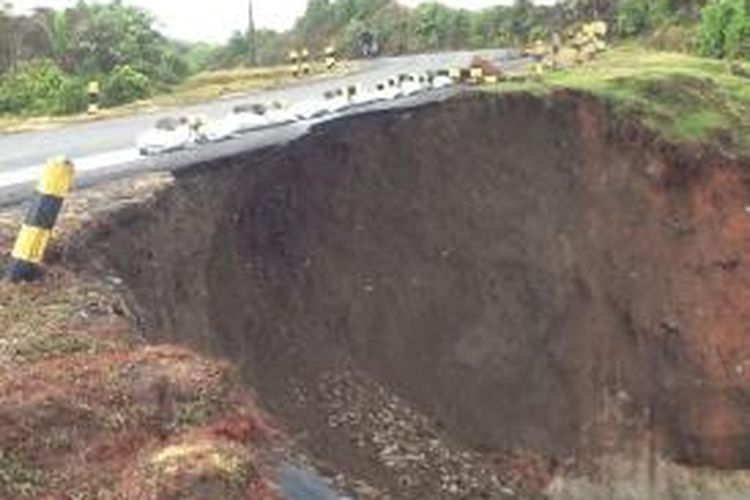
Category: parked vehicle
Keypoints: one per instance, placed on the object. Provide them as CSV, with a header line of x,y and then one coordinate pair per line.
x,y
441,81
168,134
413,84
311,109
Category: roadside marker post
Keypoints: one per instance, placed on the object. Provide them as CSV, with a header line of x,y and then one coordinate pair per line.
x,y
92,89
36,231
295,62
476,74
330,58
305,66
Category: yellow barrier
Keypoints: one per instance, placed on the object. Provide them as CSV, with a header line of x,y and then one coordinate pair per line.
x,y
36,231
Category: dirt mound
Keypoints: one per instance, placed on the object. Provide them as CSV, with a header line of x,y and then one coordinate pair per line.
x,y
533,277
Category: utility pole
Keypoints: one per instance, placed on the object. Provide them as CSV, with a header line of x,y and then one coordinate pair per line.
x,y
251,38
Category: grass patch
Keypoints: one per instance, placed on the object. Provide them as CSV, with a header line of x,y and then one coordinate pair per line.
x,y
215,84
17,477
686,99
35,325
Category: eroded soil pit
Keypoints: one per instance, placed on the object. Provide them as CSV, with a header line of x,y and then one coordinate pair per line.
x,y
467,299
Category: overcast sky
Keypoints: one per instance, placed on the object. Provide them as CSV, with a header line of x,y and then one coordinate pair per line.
x,y
215,20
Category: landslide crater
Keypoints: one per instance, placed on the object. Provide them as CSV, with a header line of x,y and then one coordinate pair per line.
x,y
526,272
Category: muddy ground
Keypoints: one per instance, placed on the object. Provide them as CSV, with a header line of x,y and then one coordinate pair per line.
x,y
90,410
492,297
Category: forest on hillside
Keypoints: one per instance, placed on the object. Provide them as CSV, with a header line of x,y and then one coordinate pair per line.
x,y
432,26
48,56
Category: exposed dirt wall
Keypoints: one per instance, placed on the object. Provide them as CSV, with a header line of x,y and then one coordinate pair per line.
x,y
528,272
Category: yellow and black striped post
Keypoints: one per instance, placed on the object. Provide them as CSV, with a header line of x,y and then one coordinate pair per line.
x,y
305,66
294,61
92,89
31,244
330,58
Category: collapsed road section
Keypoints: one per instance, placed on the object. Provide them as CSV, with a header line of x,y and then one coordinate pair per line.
x,y
527,274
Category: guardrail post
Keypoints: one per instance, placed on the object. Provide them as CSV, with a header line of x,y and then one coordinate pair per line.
x,y
34,236
92,90
295,62
330,58
305,66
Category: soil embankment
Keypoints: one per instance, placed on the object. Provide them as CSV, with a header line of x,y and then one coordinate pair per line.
x,y
528,273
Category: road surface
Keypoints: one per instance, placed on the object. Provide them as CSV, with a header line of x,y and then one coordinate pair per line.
x,y
106,148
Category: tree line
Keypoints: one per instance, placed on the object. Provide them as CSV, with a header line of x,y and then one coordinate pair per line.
x,y
47,57
716,28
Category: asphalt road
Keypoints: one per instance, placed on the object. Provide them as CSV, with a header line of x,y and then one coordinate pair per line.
x,y
106,148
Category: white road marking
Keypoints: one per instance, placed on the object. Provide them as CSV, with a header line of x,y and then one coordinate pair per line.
x,y
84,164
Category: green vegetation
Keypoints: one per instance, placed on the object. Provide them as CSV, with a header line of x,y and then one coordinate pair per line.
x,y
125,85
47,58
685,98
398,29
725,29
432,26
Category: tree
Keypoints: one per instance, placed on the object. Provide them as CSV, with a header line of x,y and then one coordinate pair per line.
x,y
6,37
113,34
317,23
586,10
235,52
724,28
252,41
636,16
65,48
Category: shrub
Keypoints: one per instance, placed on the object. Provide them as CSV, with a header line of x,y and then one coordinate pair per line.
x,y
724,28
673,38
125,85
71,97
33,88
635,17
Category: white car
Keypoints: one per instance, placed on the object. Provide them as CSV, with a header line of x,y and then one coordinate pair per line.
x,y
249,117
245,118
169,134
358,96
442,81
395,86
278,114
219,130
337,100
311,109
385,91
363,98
413,84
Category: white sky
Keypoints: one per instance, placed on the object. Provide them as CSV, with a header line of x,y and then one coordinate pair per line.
x,y
215,20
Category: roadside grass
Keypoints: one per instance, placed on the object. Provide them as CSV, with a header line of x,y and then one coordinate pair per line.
x,y
686,99
19,477
200,88
216,84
